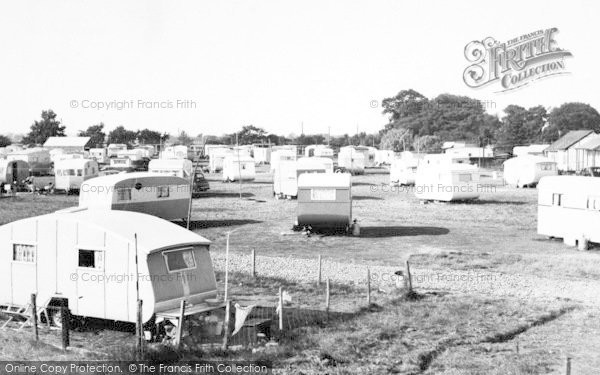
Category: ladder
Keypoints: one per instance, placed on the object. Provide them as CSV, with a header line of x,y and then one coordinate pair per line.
x,y
19,312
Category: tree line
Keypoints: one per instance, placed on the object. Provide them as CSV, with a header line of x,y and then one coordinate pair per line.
x,y
418,123
414,122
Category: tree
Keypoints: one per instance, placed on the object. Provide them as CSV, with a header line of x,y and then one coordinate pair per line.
x,y
151,137
48,127
536,120
513,130
184,139
96,134
396,140
571,116
428,143
405,104
122,135
4,141
250,134
449,117
521,126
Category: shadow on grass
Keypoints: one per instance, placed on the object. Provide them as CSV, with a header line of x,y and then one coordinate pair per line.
x,y
226,195
399,231
203,224
379,232
486,201
366,198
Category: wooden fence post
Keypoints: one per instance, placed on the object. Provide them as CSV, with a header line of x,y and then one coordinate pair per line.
x,y
64,317
34,320
226,324
181,322
253,263
568,370
280,309
319,266
368,287
408,278
139,328
327,290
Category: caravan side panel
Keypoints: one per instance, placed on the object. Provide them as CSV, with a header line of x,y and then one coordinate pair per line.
x,y
194,282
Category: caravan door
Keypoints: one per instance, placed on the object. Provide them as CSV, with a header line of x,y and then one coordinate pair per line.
x,y
23,273
90,283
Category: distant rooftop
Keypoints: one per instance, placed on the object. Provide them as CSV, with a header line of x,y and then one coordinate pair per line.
x,y
569,140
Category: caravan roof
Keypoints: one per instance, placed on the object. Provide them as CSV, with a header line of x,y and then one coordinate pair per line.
x,y
71,163
158,234
114,179
326,180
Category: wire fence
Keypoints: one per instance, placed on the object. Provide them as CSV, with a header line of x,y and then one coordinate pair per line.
x,y
263,310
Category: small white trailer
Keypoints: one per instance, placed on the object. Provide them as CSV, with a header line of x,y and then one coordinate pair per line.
x,y
87,260
447,182
569,208
320,151
183,168
370,156
261,154
281,155
351,160
161,195
217,157
238,168
113,149
527,170
404,171
99,154
285,177
69,174
174,152
384,157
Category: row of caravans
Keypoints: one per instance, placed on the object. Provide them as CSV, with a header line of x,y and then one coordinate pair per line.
x,y
521,171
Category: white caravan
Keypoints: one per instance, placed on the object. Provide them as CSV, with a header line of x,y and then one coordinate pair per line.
x,y
447,182
569,208
527,170
167,197
69,174
238,168
90,262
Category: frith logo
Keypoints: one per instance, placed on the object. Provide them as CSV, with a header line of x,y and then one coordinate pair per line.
x,y
515,63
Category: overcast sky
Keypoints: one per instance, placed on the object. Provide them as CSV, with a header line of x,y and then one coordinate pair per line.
x,y
275,64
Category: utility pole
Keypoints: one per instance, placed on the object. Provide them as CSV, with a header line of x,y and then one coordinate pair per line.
x,y
239,164
302,128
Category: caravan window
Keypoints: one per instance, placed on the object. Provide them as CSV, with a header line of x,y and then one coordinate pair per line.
x,y
24,253
180,260
124,194
593,203
91,259
162,191
464,177
557,199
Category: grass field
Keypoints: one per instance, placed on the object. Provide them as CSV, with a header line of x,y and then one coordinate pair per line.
x,y
447,331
